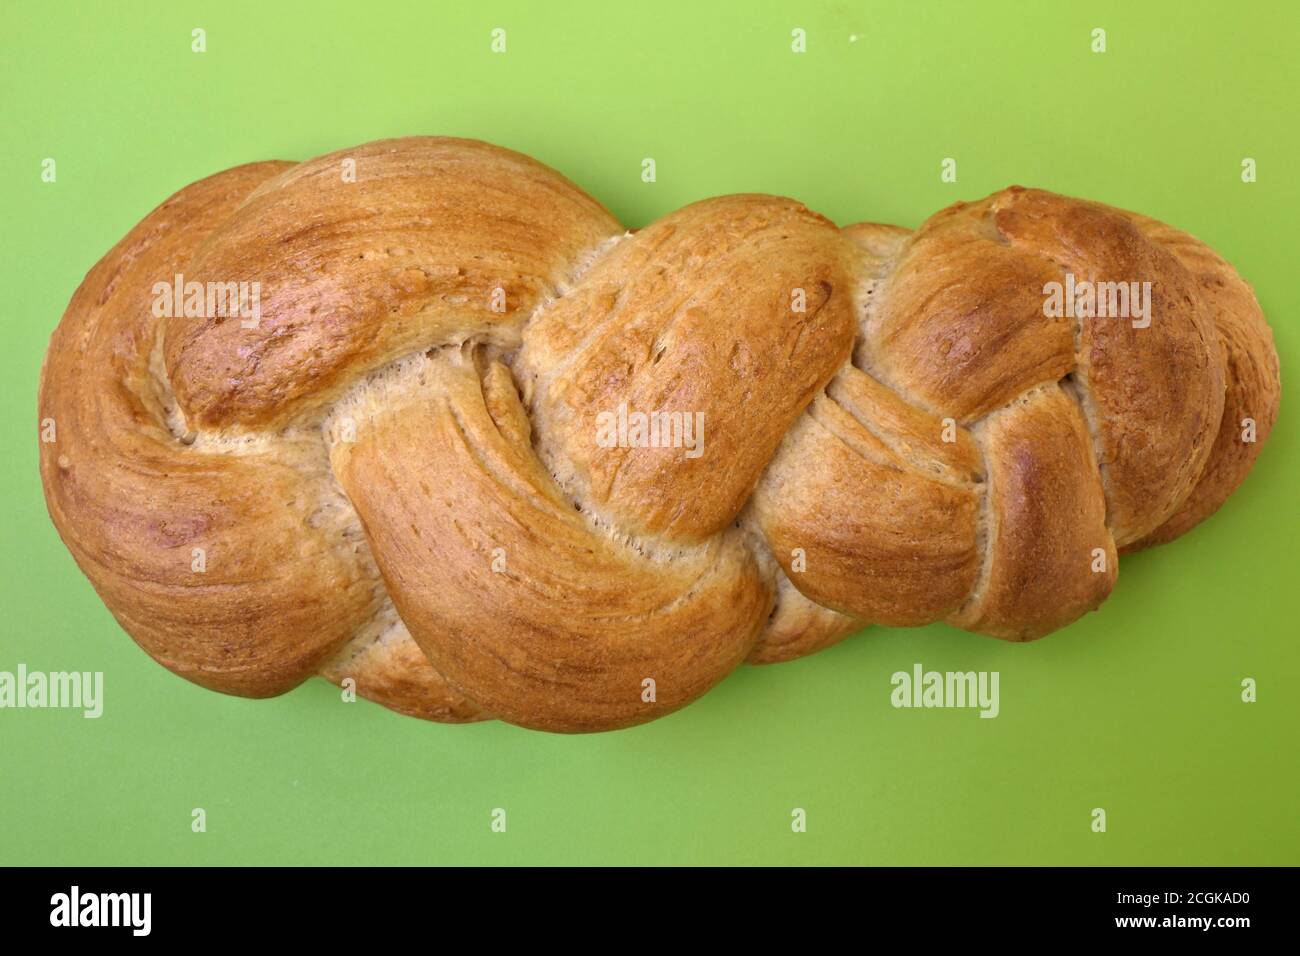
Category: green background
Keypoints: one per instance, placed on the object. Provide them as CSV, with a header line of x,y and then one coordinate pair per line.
x,y
1135,709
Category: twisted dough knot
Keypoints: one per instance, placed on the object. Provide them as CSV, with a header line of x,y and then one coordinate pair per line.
x,y
395,476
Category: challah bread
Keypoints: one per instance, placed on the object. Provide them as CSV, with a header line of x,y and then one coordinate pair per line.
x,y
396,473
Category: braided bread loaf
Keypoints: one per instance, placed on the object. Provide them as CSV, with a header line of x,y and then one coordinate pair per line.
x,y
437,462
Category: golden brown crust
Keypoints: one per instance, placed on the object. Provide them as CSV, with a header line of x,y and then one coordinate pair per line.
x,y
1153,393
867,531
1049,554
281,585
383,664
799,627
728,305
518,598
959,328
355,274
1253,380
394,477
